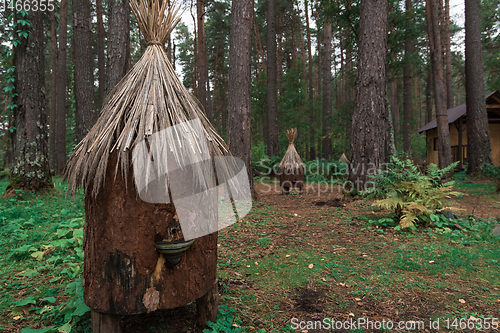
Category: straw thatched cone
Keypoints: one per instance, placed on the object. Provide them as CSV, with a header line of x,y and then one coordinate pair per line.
x,y
124,273
291,169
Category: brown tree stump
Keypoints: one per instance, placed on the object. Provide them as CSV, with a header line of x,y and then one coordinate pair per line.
x,y
124,274
105,323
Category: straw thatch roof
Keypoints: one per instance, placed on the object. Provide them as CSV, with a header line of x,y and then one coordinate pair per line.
x,y
291,162
148,99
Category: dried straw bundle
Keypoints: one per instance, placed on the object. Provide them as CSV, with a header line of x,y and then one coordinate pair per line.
x,y
291,162
148,99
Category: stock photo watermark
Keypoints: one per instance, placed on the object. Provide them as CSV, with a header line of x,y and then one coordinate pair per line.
x,y
335,177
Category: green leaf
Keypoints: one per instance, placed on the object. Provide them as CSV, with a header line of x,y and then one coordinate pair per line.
x,y
49,329
49,299
29,273
26,301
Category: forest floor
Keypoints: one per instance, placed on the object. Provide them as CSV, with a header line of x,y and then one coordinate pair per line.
x,y
307,256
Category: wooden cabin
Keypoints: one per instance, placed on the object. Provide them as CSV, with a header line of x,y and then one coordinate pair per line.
x,y
457,119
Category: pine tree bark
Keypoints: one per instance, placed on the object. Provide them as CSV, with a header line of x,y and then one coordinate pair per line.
x,y
447,56
101,58
312,151
53,92
202,59
428,97
272,90
444,145
327,90
478,134
83,72
367,149
394,106
118,42
61,88
30,170
407,77
239,99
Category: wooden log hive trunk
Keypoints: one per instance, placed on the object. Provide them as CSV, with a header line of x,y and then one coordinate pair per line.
x,y
124,274
295,180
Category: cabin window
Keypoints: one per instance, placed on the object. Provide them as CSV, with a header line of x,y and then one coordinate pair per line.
x,y
435,144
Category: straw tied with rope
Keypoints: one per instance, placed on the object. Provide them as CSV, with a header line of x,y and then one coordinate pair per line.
x,y
291,169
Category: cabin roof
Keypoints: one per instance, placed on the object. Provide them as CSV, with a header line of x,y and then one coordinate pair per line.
x,y
458,111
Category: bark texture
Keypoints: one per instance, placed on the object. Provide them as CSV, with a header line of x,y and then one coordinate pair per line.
x,y
83,72
312,150
30,171
327,90
239,99
202,60
123,272
118,41
61,88
444,145
478,134
367,149
407,76
101,58
272,92
53,92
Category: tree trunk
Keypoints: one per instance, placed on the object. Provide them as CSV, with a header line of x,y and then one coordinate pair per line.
x,y
101,58
312,152
30,170
202,59
394,107
118,42
444,146
53,93
447,56
327,90
478,134
367,149
407,70
279,54
428,97
272,91
83,75
61,88
239,99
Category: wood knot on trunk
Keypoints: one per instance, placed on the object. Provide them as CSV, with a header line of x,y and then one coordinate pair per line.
x,y
151,299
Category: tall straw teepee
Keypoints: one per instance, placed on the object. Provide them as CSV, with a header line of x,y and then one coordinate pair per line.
x,y
148,99
291,169
124,273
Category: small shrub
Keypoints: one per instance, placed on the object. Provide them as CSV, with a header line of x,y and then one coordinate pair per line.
x,y
493,173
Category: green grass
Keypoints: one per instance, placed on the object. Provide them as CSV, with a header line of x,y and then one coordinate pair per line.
x,y
42,261
272,254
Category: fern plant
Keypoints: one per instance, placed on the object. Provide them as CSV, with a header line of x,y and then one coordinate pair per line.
x,y
411,193
414,201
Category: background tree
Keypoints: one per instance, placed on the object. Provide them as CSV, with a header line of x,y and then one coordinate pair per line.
x,y
407,78
272,92
327,90
53,90
118,42
31,170
444,145
203,85
60,134
478,134
368,121
83,71
239,104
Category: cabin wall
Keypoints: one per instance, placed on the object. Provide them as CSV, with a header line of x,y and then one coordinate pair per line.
x,y
432,154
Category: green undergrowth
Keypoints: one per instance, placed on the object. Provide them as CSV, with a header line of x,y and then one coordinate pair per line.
x,y
42,262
